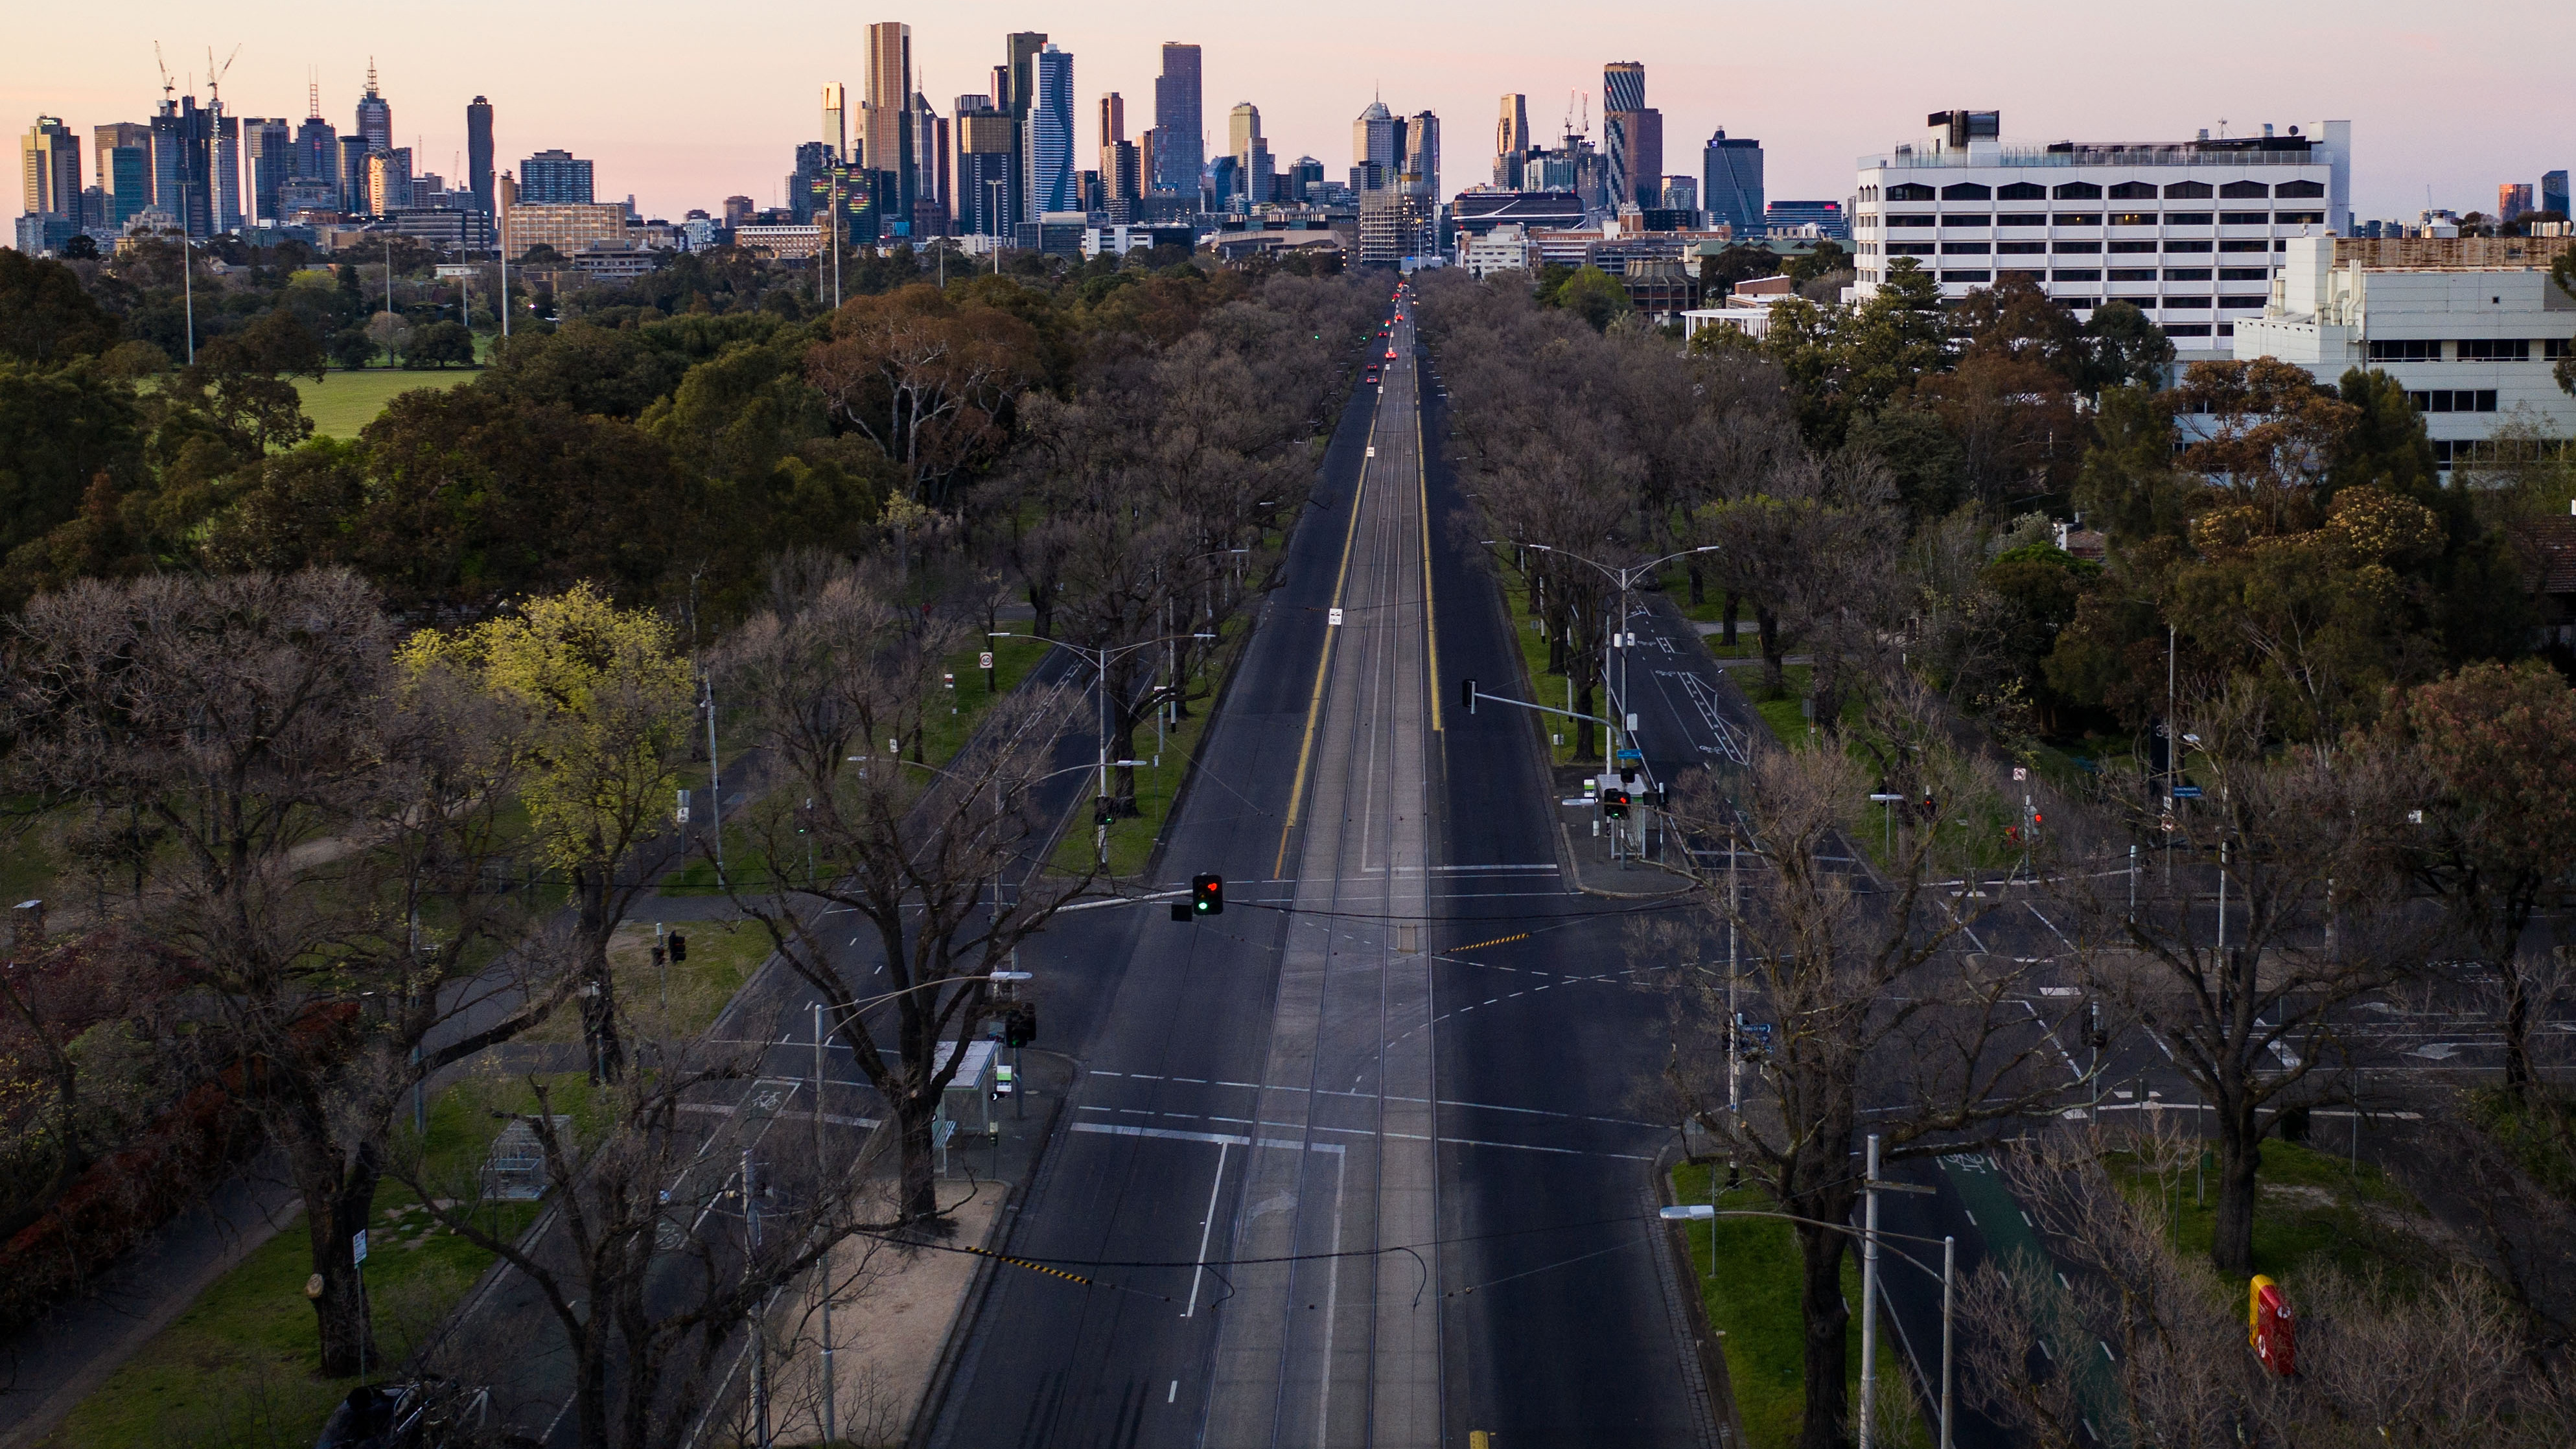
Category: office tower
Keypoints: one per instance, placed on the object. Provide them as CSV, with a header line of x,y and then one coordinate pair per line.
x,y
1121,176
223,149
987,188
1377,147
375,114
317,142
1222,178
1730,183
1681,193
1053,179
2553,192
1305,177
1180,145
836,118
268,149
1145,154
1251,154
885,118
930,202
554,178
354,151
1422,155
124,169
810,186
53,166
2513,198
478,153
1113,119
1511,141
181,183
1634,135
388,180
1018,76
737,211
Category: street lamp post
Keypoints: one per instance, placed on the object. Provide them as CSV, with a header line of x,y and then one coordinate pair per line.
x,y
1098,659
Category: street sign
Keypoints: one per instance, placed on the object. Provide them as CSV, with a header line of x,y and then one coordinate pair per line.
x,y
2020,773
1336,618
358,1246
1631,755
2186,792
1372,452
984,660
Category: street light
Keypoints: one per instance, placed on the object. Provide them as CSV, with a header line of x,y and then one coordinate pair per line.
x,y
1099,659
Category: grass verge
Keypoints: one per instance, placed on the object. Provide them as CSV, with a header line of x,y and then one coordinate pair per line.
x,y
1749,1283
1158,788
2311,1206
237,1367
676,1002
1551,687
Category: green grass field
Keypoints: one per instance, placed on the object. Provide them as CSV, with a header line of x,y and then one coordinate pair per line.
x,y
344,402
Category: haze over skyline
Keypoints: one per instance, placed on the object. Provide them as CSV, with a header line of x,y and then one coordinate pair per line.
x,y
682,108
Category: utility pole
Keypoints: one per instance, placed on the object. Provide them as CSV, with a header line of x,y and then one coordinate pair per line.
x,y
715,777
821,1179
1868,1300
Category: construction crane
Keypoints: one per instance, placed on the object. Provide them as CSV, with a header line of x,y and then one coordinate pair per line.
x,y
215,74
166,87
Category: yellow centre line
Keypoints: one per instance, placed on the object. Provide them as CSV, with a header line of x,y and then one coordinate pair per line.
x,y
1315,706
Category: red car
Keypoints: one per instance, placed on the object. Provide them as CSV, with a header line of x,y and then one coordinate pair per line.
x,y
1390,353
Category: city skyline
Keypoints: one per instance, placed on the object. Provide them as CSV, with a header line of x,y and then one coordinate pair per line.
x,y
2389,79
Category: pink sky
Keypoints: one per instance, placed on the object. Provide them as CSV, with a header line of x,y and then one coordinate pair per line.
x,y
684,105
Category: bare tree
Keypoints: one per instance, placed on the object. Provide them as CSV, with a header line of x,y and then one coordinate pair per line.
x,y
921,854
2281,912
1877,999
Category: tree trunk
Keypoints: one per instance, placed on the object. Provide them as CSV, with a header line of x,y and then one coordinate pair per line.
x,y
1827,1318
1698,585
2517,1029
333,1219
590,1384
1584,744
599,990
915,1115
1775,664
2240,1155
1734,602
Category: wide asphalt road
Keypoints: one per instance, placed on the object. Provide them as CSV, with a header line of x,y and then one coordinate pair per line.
x,y
1366,1159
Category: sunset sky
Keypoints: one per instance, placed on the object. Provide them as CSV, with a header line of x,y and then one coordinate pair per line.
x,y
682,105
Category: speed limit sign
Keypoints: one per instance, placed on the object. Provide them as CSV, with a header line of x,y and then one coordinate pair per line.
x,y
984,660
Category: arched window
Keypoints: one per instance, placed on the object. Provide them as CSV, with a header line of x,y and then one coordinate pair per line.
x,y
1967,191
1909,191
2021,191
2190,190
2299,189
2134,191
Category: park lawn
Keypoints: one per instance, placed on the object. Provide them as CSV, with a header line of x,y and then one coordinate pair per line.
x,y
237,1366
344,402
2310,1207
1749,1285
677,1002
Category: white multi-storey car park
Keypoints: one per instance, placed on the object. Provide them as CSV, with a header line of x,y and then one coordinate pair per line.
x,y
2192,232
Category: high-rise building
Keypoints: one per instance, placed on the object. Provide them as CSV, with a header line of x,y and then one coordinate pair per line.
x,y
268,150
479,153
1634,135
1305,178
1180,143
1511,142
737,211
885,112
2513,198
1422,156
555,178
388,180
987,187
375,114
2553,192
1681,193
1251,154
317,143
223,154
1018,76
182,180
1377,147
1113,119
53,166
836,118
1730,175
930,141
1054,181
124,169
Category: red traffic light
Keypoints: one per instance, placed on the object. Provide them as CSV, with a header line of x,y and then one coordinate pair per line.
x,y
1207,895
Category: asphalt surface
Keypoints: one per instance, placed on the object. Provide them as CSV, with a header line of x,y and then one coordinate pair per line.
x,y
1370,1144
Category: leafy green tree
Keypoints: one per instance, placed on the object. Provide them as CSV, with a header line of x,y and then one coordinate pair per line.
x,y
2384,445
1844,361
1827,258
2041,586
1926,462
1739,262
2016,320
2126,485
440,344
2124,349
59,430
613,371
1595,296
351,347
46,320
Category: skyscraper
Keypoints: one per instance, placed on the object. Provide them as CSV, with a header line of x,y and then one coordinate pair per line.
x,y
2553,192
930,202
2513,198
1730,183
554,178
181,183
836,118
987,189
1511,140
375,114
1018,73
1377,147
124,169
1251,154
1055,183
223,155
53,165
1180,146
1113,121
268,150
1422,155
886,118
354,152
1635,136
478,153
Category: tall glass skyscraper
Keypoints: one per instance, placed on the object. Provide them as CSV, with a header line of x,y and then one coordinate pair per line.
x,y
375,115
1180,147
1731,183
478,153
1055,183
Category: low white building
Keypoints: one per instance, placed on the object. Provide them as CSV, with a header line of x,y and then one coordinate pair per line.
x,y
1504,249
2469,326
2188,231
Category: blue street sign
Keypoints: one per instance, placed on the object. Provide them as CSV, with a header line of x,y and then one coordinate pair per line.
x,y
2186,792
1630,755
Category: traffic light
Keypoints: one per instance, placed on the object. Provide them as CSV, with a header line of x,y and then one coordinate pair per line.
x,y
1104,812
1467,695
679,947
1614,804
1207,895
1019,1023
